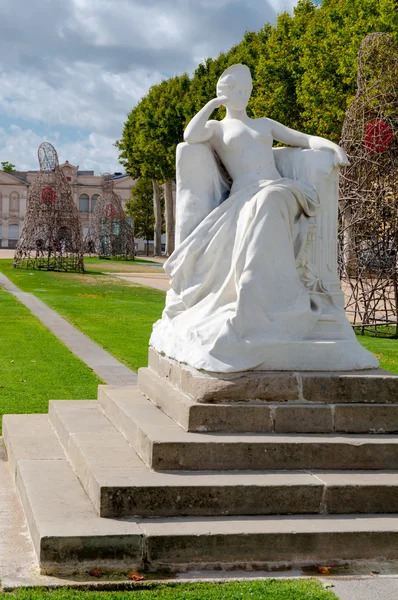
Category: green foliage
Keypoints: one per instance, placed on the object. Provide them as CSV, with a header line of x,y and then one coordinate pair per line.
x,y
278,70
115,314
140,207
153,129
7,167
269,589
329,59
34,366
304,75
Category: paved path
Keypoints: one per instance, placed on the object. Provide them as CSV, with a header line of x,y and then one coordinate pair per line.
x,y
367,588
109,369
6,253
158,281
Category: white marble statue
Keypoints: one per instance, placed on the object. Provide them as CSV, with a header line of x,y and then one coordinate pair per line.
x,y
245,291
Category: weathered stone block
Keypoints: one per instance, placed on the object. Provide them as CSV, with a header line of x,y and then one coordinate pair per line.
x,y
303,419
360,492
221,387
370,418
374,386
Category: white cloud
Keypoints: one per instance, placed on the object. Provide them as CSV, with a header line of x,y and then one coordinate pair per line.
x,y
85,63
87,97
93,152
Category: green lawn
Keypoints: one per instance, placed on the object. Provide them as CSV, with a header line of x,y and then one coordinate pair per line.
x,y
34,366
116,314
385,349
271,589
121,266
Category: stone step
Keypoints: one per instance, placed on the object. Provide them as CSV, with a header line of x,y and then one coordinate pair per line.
x,y
68,536
119,484
163,445
369,386
295,416
268,542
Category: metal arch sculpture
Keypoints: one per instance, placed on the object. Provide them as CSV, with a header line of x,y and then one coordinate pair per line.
x,y
110,236
51,238
368,240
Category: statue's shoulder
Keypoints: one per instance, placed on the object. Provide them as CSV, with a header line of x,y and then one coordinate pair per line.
x,y
264,123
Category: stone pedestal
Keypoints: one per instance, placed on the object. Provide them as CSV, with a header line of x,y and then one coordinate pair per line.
x,y
191,470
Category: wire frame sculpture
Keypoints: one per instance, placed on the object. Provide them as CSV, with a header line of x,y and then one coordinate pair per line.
x,y
110,236
51,237
368,237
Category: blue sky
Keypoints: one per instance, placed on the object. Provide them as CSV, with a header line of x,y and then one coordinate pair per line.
x,y
70,70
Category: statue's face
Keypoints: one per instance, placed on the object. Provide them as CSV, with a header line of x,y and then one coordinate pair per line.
x,y
238,92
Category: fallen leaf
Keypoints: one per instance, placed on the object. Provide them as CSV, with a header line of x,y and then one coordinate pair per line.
x,y
23,380
95,573
11,361
324,570
134,576
32,361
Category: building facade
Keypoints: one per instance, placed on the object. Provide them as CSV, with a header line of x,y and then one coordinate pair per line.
x,y
86,187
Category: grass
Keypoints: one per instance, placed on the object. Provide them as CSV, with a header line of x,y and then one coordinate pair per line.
x,y
34,365
385,350
137,265
116,314
270,589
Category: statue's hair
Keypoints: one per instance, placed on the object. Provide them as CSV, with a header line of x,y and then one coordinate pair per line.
x,y
240,72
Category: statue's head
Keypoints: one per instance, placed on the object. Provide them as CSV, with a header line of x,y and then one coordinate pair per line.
x,y
236,84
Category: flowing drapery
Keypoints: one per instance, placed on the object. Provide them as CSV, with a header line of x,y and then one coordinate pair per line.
x,y
234,280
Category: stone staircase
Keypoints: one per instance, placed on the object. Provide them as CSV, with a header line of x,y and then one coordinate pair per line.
x,y
257,470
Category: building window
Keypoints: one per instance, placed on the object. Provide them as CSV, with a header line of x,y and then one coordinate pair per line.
x,y
94,199
13,232
1,203
14,202
86,231
84,202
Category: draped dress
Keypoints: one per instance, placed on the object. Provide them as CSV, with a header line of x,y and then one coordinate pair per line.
x,y
235,286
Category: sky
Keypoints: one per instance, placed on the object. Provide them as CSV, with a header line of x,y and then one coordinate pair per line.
x,y
71,70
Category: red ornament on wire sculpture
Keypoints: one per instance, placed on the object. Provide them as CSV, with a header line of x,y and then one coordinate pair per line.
x,y
110,211
378,135
48,196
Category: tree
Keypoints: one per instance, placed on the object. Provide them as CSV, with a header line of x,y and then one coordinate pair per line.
x,y
169,217
278,70
8,167
140,208
304,75
330,46
148,144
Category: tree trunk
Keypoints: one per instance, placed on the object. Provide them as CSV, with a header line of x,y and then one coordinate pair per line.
x,y
169,217
349,257
133,237
157,209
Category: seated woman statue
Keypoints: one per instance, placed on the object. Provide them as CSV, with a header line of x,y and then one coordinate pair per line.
x,y
235,288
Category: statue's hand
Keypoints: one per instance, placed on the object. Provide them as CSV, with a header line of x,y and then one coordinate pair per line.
x,y
217,102
340,157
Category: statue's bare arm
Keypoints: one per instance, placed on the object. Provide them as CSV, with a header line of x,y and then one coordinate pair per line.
x,y
200,129
291,137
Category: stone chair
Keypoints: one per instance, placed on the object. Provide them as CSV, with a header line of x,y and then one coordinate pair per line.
x,y
197,196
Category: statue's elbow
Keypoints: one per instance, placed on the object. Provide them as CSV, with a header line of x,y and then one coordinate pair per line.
x,y
188,137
